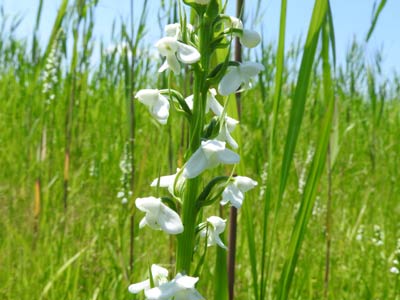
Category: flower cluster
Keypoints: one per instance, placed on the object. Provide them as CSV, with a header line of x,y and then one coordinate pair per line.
x,y
214,143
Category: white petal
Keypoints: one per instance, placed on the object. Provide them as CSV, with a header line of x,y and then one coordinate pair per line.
x,y
228,157
250,38
167,46
173,63
186,282
173,30
245,183
196,164
160,110
232,194
188,54
230,82
160,275
163,67
164,181
217,223
219,242
189,101
210,147
142,222
163,292
213,104
169,220
140,286
250,69
236,23
148,96
148,204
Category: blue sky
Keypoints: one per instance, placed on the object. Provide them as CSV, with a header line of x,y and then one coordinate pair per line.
x,y
351,18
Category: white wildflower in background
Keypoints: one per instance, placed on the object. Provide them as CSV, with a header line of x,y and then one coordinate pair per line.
x,y
157,104
234,192
159,277
239,76
360,233
180,288
264,178
302,178
159,216
210,154
174,50
50,78
379,236
214,227
394,270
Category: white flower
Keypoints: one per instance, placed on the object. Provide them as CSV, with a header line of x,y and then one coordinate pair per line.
x,y
210,154
174,30
180,288
239,76
167,182
234,192
160,276
159,216
212,103
157,104
227,127
248,38
173,50
215,226
394,270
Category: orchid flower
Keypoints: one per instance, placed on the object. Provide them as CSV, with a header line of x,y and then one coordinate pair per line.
x,y
234,192
159,276
212,102
167,181
227,127
174,30
215,226
159,216
157,104
248,38
210,154
174,50
238,76
180,288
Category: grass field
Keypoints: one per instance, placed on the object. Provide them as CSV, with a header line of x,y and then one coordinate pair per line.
x,y
76,150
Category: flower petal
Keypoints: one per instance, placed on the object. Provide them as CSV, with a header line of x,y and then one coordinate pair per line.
x,y
233,195
250,69
230,82
213,103
196,164
173,63
186,282
140,286
163,181
187,54
169,220
245,183
228,157
250,38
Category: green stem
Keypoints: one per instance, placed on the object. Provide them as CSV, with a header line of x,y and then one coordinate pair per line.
x,y
189,210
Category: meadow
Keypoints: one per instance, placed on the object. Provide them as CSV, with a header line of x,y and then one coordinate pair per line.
x,y
76,150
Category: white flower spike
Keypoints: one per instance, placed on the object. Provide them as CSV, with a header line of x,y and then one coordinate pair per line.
x,y
159,216
210,154
215,227
234,192
173,50
180,288
160,276
238,76
157,104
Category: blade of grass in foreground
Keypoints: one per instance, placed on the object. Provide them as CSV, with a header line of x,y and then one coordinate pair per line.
x,y
375,19
313,179
271,148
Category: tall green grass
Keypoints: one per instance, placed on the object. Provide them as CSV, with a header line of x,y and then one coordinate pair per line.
x,y
64,233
